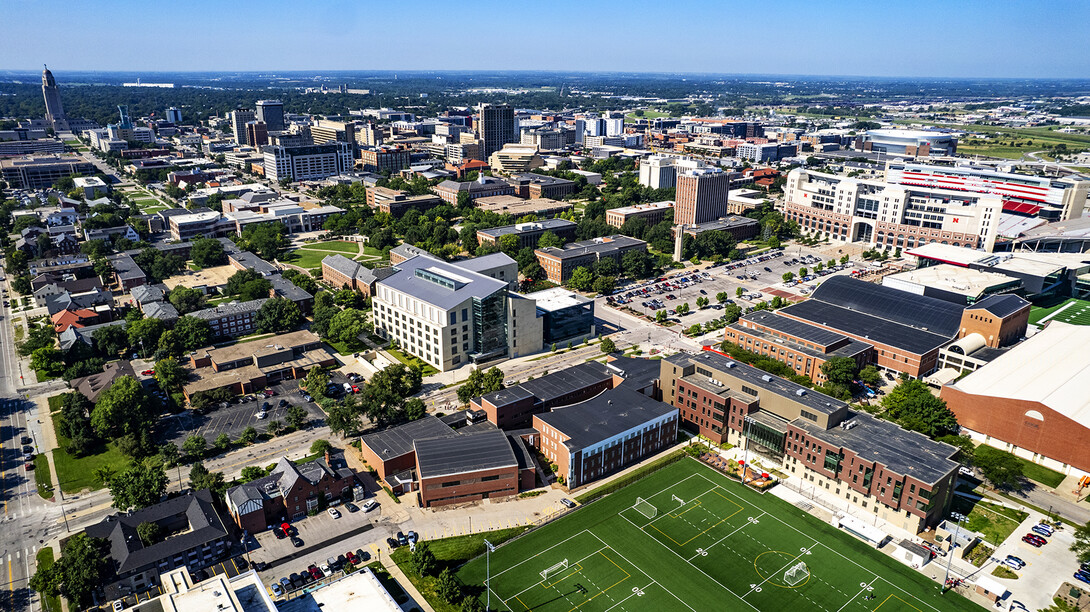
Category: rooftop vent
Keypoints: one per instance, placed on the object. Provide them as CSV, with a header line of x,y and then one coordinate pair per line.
x,y
800,392
766,378
731,364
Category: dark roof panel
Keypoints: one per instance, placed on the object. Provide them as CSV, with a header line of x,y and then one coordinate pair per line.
x,y
611,413
482,450
922,312
1000,305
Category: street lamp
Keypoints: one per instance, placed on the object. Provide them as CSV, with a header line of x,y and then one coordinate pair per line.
x,y
958,518
488,550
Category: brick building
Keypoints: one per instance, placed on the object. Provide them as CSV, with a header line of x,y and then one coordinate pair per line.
x,y
290,491
483,187
652,213
244,368
470,467
801,346
528,234
560,263
398,202
341,272
902,476
536,186
514,407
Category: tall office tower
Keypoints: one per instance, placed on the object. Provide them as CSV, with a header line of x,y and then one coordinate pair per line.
x,y
126,121
54,111
580,130
174,115
496,127
614,125
239,119
272,113
701,195
257,134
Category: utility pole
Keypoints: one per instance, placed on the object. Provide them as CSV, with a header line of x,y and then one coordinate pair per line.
x,y
958,517
488,549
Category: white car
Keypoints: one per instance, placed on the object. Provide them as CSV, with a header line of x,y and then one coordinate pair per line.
x,y
325,569
262,414
369,506
334,513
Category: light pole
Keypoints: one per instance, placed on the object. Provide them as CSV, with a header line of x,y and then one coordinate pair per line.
x,y
958,518
488,548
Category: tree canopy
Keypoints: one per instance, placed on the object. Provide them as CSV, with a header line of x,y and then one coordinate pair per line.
x,y
81,570
278,315
914,407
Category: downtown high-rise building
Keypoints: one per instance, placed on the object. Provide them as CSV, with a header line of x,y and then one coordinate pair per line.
x,y
272,113
174,115
496,127
54,110
239,119
701,195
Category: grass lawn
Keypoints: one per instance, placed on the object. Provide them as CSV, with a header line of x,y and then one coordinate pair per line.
x,y
78,473
343,348
687,538
41,476
44,560
996,523
450,552
341,246
305,258
1041,474
647,114
1075,312
410,360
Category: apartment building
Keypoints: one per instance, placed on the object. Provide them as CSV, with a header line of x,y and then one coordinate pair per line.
x,y
890,215
41,171
303,163
378,159
232,319
528,234
496,127
239,118
903,477
652,213
559,263
323,131
702,195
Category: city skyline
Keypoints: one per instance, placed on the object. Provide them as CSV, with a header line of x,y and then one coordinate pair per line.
x,y
920,39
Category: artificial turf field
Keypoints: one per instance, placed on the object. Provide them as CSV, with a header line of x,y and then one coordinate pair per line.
x,y
698,542
1073,311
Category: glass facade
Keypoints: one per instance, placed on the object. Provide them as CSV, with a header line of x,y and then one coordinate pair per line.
x,y
770,441
490,326
565,323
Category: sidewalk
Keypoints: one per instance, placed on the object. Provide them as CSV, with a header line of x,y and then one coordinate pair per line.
x,y
415,598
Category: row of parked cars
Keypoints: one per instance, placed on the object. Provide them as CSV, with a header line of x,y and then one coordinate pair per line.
x,y
751,261
316,571
660,287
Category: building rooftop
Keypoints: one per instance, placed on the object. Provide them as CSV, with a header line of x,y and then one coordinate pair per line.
x,y
485,262
557,298
261,348
793,328
628,210
951,278
873,439
725,223
517,207
1052,367
398,441
608,414
359,591
601,245
487,449
1001,305
529,227
231,308
439,283
558,384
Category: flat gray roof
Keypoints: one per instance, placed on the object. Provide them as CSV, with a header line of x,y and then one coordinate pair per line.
x,y
606,415
439,283
397,441
488,449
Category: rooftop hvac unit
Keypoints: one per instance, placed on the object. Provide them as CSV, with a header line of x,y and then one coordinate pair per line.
x,y
730,364
766,378
800,392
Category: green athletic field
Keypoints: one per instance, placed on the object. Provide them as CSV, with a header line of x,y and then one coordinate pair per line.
x,y
697,542
1073,311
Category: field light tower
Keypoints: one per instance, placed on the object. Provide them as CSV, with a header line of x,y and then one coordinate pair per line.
x,y
958,518
488,550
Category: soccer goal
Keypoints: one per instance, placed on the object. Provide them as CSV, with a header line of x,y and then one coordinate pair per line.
x,y
796,574
553,570
646,508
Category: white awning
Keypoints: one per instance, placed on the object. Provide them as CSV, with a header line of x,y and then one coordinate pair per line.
x,y
943,376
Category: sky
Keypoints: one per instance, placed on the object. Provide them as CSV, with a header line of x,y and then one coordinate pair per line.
x,y
920,38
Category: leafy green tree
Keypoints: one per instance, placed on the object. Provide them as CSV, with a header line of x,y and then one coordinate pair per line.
x,y
479,383
81,570
415,409
802,272
448,587
636,264
913,405
607,345
37,338
581,279
320,446
683,308
141,485
787,276
200,478
169,454
701,302
47,362
251,473
344,418
423,560
248,436
1081,545
278,315
317,380
238,280
123,409
721,297
186,300
275,427
208,252
169,345
840,370
1002,469
606,267
74,424
194,446
170,374
549,239
739,292
223,442
255,290
296,417
268,240
150,533
112,340
604,285
660,316
193,333
302,280
870,376
347,325
145,333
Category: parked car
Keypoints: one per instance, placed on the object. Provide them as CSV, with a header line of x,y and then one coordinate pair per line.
x,y
26,440
1041,530
285,583
29,465
118,605
148,373
411,537
1011,563
1082,576
392,543
1016,560
261,414
352,558
1045,527
567,502
370,505
282,403
363,555
325,570
277,590
351,507
307,397
296,542
279,534
334,513
401,539
314,571
1033,540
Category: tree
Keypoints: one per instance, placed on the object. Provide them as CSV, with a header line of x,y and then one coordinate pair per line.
x,y
145,334
194,446
317,380
549,239
268,240
150,533
236,281
320,446
47,362
74,424
169,454
278,315
423,560
448,587
302,280
802,272
169,345
207,252
1060,605
37,338
636,264
870,376
604,285
347,326
200,478
840,370
251,473
721,297
479,383
223,442
1002,469
123,409
606,267
275,427
248,436
186,300
701,302
660,316
141,485
787,276
170,374
81,570
913,405
192,333
607,345
581,279
111,341
739,292
343,418
255,290
296,417
683,308
1081,545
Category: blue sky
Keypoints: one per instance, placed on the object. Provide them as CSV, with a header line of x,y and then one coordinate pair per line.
x,y
949,38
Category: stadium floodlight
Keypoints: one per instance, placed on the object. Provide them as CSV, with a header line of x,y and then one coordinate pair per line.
x,y
488,550
958,518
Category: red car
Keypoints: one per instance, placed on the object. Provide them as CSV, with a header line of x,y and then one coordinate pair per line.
x,y
29,465
148,373
315,572
355,389
1034,540
352,558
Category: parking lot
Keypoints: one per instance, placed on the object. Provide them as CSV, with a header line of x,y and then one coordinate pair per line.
x,y
759,277
234,418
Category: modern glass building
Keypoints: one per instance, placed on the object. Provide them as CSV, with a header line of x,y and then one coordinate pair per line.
x,y
565,315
